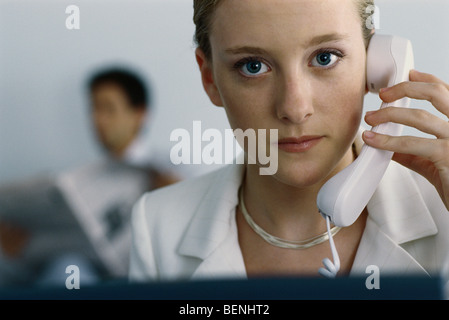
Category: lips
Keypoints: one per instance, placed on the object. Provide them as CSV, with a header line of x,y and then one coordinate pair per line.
x,y
298,145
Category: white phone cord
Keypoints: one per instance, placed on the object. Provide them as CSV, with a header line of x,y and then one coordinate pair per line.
x,y
331,269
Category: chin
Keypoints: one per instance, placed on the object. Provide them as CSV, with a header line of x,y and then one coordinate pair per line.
x,y
301,175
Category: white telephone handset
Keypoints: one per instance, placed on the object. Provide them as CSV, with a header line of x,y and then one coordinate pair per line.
x,y
344,196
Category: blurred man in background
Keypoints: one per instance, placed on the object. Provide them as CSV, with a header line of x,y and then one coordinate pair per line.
x,y
120,106
81,216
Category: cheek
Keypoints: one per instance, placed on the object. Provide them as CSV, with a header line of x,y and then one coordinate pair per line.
x,y
346,103
246,107
248,103
349,108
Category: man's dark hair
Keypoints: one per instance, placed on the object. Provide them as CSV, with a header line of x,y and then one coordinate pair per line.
x,y
131,84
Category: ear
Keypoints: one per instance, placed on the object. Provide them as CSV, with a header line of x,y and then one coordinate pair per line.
x,y
207,77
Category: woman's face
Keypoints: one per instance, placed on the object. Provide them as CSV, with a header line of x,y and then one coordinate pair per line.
x,y
297,66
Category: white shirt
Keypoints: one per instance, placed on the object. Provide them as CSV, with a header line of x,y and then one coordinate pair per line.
x,y
188,230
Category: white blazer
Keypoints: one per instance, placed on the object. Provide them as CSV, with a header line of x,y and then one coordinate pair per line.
x,y
188,230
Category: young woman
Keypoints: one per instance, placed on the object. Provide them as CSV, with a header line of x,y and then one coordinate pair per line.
x,y
298,66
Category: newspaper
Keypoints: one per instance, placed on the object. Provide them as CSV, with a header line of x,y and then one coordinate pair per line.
x,y
85,210
101,197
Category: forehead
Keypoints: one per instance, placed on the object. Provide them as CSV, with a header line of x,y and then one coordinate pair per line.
x,y
282,21
110,96
107,86
110,90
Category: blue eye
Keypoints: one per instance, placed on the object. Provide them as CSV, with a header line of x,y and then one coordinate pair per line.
x,y
325,59
253,68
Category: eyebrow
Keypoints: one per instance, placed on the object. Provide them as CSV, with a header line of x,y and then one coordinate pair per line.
x,y
330,37
315,41
245,49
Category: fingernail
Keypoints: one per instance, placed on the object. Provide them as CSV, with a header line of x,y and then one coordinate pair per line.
x,y
369,134
383,90
369,113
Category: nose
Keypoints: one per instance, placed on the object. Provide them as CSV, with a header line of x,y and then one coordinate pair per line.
x,y
294,101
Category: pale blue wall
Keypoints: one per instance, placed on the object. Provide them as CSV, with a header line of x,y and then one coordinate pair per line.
x,y
44,122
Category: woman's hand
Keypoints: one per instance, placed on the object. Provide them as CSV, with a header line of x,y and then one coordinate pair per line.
x,y
426,156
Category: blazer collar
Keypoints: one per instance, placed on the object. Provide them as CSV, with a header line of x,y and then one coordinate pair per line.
x,y
398,209
396,214
212,233
377,249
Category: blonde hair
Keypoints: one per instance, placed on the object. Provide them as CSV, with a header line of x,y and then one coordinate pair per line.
x,y
204,10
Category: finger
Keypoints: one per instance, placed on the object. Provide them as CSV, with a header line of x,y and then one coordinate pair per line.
x,y
435,93
435,150
420,165
416,118
417,76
